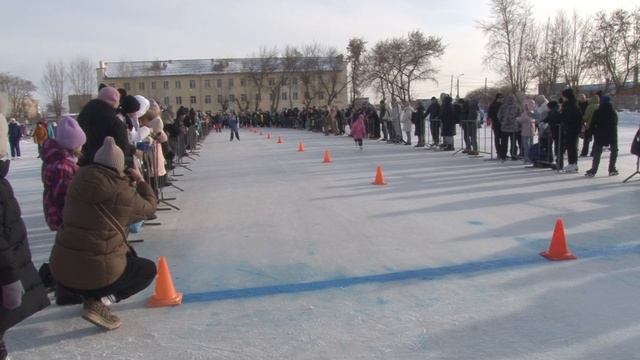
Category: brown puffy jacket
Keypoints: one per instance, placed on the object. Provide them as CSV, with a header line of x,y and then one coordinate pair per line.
x,y
40,135
89,252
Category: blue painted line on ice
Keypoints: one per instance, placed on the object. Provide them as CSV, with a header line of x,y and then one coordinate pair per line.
x,y
420,274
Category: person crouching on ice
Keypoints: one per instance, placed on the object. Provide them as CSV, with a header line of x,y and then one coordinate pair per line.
x,y
91,256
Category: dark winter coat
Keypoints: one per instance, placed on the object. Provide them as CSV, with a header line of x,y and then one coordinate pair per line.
x,y
98,120
89,252
571,119
15,258
448,118
472,114
15,131
418,120
554,120
434,111
492,114
604,125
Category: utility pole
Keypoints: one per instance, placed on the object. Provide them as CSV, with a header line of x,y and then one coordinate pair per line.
x,y
458,86
451,91
485,87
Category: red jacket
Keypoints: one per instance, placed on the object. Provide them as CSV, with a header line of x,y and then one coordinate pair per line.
x,y
58,170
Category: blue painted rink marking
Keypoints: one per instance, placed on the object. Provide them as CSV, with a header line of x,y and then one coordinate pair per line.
x,y
425,274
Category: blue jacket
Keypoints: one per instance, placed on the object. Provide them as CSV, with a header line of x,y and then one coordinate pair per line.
x,y
233,122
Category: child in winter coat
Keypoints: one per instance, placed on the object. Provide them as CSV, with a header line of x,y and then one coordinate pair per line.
x,y
527,123
60,158
358,130
22,292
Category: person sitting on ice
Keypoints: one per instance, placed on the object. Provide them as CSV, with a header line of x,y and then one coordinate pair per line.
x,y
91,256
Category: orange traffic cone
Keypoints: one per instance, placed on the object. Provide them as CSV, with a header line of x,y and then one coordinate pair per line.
x,y
327,157
379,180
268,136
279,140
165,293
558,250
301,147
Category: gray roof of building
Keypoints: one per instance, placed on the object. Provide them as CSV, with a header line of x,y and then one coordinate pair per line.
x,y
127,69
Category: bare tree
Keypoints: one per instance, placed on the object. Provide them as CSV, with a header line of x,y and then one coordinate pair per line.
x,y
355,57
259,69
615,44
308,72
576,33
53,82
280,77
379,69
548,59
511,42
82,76
394,65
19,93
243,105
331,67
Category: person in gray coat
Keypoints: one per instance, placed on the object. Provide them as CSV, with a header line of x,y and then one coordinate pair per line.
x,y
508,115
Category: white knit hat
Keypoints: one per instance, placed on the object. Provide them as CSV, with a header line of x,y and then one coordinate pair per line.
x,y
110,155
156,125
144,105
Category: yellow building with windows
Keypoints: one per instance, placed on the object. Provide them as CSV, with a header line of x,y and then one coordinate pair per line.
x,y
221,84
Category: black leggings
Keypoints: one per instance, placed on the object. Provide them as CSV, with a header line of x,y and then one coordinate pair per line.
x,y
236,134
358,142
137,276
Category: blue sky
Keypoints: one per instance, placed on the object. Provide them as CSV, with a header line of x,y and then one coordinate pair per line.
x,y
32,32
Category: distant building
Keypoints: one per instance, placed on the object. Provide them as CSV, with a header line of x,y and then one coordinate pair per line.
x,y
557,88
77,102
220,84
627,98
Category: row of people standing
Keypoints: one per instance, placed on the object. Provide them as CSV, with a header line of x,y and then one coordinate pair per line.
x,y
443,115
559,125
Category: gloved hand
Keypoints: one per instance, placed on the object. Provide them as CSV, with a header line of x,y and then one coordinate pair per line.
x,y
12,295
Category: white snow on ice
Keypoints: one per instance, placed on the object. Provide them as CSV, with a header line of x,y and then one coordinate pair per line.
x,y
257,214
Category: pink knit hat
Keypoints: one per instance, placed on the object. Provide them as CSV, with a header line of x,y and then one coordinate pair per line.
x,y
109,95
69,135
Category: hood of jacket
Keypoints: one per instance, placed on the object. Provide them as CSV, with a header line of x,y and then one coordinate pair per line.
x,y
95,183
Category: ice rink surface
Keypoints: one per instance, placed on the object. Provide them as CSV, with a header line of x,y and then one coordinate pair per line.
x,y
283,257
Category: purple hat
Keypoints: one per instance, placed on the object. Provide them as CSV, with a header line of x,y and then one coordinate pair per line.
x,y
109,95
69,135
